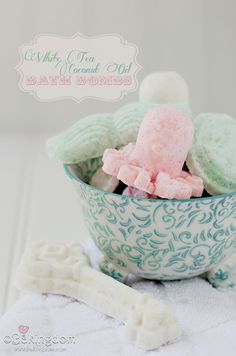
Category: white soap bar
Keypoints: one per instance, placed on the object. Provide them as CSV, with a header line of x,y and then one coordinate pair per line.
x,y
163,88
65,269
104,181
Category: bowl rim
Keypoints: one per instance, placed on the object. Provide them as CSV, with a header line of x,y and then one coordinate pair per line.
x,y
152,200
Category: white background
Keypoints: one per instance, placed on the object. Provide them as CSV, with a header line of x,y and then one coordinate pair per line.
x,y
193,37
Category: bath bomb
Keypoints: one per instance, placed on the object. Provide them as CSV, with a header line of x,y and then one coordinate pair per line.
x,y
163,141
91,135
127,119
163,88
84,140
134,192
213,152
154,163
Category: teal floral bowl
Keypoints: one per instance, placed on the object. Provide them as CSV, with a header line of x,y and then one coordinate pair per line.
x,y
156,239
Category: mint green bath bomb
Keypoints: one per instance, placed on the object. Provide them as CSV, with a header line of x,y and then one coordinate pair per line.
x,y
213,152
86,139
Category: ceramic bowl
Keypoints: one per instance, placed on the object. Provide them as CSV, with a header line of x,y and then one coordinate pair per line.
x,y
156,239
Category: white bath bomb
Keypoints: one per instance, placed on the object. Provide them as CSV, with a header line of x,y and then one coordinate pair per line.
x,y
163,88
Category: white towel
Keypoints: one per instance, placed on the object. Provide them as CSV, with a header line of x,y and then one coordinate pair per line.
x,y
207,317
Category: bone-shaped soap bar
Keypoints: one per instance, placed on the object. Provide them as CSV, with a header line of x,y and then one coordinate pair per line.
x,y
65,269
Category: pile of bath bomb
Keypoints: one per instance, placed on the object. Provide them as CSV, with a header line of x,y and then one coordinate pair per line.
x,y
91,135
154,148
154,163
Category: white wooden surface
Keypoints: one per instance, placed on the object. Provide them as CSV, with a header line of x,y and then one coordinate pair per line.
x,y
37,201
